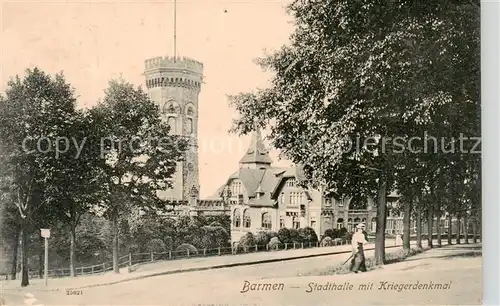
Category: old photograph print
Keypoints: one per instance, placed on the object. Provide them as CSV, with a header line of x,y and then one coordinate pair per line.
x,y
259,152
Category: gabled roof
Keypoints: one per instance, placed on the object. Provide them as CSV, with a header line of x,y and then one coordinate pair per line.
x,y
296,172
256,152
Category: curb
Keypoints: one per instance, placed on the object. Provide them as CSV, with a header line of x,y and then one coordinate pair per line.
x,y
236,264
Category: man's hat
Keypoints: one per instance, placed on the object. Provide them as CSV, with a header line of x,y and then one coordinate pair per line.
x,y
360,225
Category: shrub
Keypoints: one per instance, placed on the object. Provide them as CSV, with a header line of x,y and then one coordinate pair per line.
x,y
262,238
247,241
134,248
183,248
220,237
274,243
337,241
169,243
215,224
347,236
202,238
295,236
327,241
337,233
329,233
272,234
307,235
156,246
284,235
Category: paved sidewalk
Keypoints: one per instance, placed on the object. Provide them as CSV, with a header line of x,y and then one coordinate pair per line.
x,y
182,265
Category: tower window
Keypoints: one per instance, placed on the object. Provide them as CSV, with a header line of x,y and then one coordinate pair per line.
x,y
190,127
172,123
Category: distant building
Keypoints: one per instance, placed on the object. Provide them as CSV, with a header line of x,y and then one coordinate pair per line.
x,y
266,198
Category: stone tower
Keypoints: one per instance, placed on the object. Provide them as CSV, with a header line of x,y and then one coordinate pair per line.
x,y
174,84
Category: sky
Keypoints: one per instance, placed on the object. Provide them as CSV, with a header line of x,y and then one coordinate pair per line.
x,y
95,41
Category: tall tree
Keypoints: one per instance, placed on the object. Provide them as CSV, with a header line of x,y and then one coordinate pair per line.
x,y
77,183
33,115
138,155
358,70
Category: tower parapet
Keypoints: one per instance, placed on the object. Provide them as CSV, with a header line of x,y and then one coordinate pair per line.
x,y
173,72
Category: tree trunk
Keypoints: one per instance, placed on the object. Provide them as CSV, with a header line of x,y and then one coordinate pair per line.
x,y
458,229
419,226
72,251
474,231
438,230
450,228
13,271
41,256
381,219
430,220
406,226
116,267
466,228
24,255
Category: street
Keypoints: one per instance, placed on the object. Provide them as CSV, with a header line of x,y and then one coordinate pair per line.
x,y
449,275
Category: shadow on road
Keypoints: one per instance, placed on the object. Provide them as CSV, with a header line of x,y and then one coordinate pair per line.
x,y
465,251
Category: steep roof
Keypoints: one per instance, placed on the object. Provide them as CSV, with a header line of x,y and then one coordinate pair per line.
x,y
256,152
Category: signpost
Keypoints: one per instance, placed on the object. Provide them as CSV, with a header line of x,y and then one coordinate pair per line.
x,y
46,234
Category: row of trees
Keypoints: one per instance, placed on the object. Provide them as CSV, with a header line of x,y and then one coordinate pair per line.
x,y
59,163
358,82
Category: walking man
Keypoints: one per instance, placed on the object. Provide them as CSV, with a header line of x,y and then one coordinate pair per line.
x,y
358,262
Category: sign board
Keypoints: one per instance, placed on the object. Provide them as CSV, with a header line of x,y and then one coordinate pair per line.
x,y
45,232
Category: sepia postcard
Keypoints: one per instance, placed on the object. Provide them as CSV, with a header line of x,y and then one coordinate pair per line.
x,y
257,152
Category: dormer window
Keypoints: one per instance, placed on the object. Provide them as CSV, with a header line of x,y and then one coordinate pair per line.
x,y
291,183
328,202
236,188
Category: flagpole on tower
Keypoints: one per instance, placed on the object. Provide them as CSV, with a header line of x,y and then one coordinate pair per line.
x,y
175,31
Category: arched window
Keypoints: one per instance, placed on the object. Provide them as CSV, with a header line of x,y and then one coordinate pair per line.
x,y
171,108
189,118
295,223
356,221
172,122
190,127
267,221
340,223
236,218
247,221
